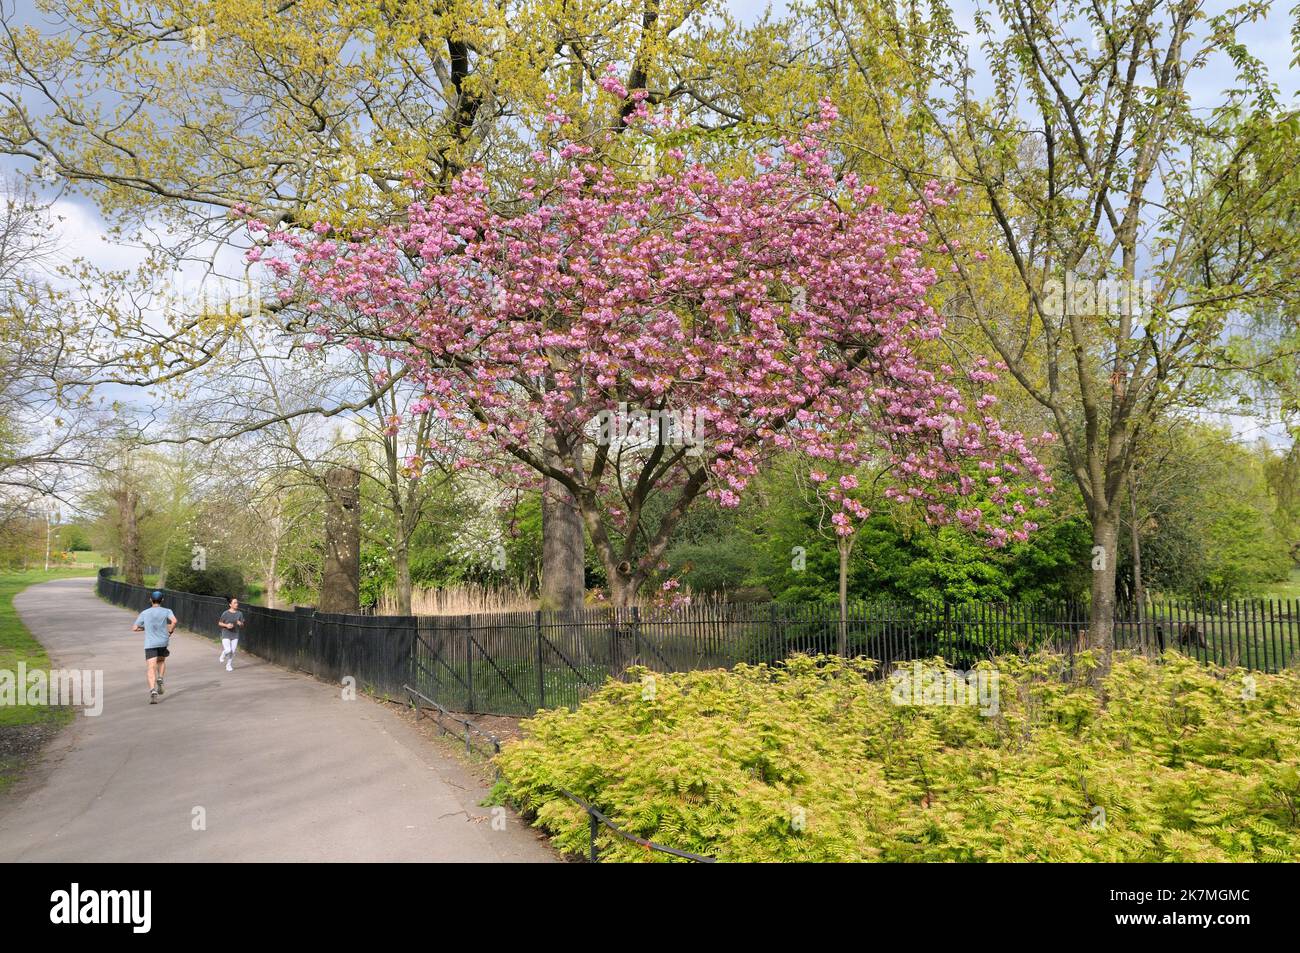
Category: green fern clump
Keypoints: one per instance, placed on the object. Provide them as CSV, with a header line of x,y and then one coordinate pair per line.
x,y
812,759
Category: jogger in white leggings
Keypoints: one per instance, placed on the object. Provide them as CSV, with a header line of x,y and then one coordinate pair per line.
x,y
232,622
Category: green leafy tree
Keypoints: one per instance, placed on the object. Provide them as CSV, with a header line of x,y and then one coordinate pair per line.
x,y
213,575
1123,231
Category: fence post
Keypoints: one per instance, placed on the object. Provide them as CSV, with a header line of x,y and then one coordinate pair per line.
x,y
469,661
541,672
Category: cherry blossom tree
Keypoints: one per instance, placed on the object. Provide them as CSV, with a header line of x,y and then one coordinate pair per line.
x,y
665,335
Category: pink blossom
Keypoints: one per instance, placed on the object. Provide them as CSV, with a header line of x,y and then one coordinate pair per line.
x,y
673,296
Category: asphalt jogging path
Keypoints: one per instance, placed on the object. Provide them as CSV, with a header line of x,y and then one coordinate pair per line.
x,y
276,764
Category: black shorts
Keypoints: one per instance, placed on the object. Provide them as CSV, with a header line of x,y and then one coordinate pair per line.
x,y
156,653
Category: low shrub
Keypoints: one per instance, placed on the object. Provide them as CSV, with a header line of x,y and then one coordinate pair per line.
x,y
812,760
214,580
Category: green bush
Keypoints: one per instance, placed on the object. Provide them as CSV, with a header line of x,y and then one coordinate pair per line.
x,y
378,574
74,539
215,580
811,760
715,565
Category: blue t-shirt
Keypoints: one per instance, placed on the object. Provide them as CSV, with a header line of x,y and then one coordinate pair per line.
x,y
155,620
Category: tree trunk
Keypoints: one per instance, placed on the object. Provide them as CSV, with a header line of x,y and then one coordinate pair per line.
x,y
1101,615
128,520
844,546
623,585
273,567
164,561
563,546
402,572
340,589
1135,537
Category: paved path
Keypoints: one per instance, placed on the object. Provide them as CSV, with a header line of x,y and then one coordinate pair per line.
x,y
284,769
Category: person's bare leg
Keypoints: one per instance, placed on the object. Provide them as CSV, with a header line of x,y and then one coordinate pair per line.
x,y
162,667
151,673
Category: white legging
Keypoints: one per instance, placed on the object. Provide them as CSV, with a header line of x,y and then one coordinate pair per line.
x,y
229,645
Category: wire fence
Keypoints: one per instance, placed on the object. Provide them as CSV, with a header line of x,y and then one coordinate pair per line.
x,y
514,663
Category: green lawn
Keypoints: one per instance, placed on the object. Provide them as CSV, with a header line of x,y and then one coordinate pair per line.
x,y
1286,590
18,645
82,559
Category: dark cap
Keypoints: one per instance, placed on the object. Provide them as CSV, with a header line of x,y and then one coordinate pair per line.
x,y
156,595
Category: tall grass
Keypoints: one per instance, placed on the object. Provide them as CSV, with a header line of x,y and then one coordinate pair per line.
x,y
462,600
470,599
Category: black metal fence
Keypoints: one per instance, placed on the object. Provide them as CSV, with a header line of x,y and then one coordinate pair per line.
x,y
517,662
374,650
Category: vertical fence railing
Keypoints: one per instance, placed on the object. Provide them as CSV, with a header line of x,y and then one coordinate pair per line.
x,y
516,663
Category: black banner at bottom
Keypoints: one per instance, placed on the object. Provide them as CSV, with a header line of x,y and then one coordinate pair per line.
x,y
361,901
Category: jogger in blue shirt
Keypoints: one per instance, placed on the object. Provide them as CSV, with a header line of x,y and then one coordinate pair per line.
x,y
157,624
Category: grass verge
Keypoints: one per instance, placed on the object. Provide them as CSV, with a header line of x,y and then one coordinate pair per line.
x,y
23,728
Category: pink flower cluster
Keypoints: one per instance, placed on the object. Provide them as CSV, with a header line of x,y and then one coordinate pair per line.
x,y
785,307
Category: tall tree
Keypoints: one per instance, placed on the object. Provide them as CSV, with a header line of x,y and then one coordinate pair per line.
x,y
320,110
610,317
1133,228
408,458
47,434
